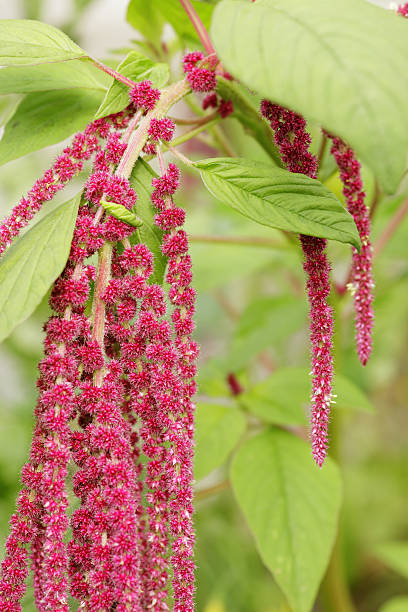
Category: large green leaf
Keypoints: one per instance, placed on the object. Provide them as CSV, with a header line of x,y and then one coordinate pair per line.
x,y
284,397
278,198
26,41
395,555
246,110
326,60
292,509
265,323
137,67
33,262
218,429
68,75
148,232
45,118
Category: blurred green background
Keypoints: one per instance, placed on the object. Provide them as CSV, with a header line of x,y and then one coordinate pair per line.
x,y
239,286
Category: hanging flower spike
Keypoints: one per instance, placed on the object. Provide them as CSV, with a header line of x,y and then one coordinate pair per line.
x,y
180,405
67,165
361,270
43,502
293,142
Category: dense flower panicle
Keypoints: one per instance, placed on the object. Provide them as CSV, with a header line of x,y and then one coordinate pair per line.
x,y
293,142
361,270
41,520
179,470
67,165
128,389
43,501
104,563
142,337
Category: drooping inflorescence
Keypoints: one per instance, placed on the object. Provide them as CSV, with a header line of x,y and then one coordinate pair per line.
x,y
115,397
361,279
293,141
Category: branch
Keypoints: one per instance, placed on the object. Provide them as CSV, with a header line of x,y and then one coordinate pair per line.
x,y
198,26
390,229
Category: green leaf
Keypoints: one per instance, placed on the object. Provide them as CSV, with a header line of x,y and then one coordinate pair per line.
x,y
25,41
246,110
284,397
174,13
33,263
148,233
292,509
326,61
68,75
277,198
219,428
149,18
396,604
45,118
145,17
265,323
395,555
138,68
123,214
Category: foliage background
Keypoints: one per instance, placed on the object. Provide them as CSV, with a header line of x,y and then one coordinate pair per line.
x,y
230,279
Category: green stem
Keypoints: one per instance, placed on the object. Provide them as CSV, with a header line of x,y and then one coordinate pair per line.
x,y
222,142
192,133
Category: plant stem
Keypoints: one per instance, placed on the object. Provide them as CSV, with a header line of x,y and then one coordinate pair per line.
x,y
198,26
239,240
98,305
391,228
113,73
222,142
221,486
192,133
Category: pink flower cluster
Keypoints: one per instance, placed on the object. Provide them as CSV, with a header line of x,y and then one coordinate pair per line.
x,y
361,270
180,424
118,407
403,9
293,142
201,79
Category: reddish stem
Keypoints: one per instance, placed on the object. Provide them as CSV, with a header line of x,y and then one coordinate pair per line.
x,y
391,228
114,74
198,26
